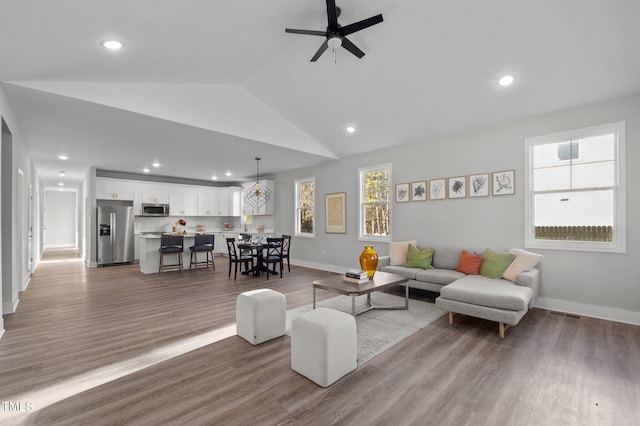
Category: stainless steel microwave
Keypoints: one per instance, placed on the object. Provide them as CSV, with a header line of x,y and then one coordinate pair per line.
x,y
155,209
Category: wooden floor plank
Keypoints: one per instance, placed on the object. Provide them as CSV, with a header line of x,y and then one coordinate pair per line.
x,y
75,325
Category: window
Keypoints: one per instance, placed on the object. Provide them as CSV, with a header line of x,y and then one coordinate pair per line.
x,y
375,203
576,190
305,207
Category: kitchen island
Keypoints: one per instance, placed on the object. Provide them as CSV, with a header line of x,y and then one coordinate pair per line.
x,y
149,246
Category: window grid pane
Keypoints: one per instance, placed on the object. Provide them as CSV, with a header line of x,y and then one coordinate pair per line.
x,y
376,206
574,189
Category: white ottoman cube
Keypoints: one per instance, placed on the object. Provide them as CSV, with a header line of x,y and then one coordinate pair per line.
x,y
260,315
323,345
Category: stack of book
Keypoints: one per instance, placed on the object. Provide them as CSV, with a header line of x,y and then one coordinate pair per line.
x,y
356,276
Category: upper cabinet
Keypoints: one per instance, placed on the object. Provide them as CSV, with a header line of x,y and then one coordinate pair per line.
x,y
184,202
114,189
153,196
266,209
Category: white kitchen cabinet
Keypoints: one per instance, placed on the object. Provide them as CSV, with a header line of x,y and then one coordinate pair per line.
x,y
113,189
208,202
183,202
236,201
220,243
267,209
155,197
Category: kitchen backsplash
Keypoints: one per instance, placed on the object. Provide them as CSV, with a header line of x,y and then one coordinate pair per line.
x,y
164,224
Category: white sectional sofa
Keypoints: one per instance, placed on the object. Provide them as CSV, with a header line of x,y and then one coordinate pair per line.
x,y
494,299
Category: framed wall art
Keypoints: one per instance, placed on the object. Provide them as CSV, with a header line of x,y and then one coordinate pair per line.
x,y
479,185
457,187
437,189
504,183
335,213
402,192
419,191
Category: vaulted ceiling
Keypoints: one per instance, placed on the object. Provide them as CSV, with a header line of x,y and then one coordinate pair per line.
x,y
203,87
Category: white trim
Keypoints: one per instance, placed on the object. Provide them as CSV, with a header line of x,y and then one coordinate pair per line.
x,y
361,171
619,244
10,307
296,184
593,311
600,312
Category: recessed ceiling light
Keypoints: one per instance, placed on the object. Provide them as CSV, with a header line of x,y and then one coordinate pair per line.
x,y
214,177
61,184
61,173
350,129
506,80
156,164
228,173
112,44
146,170
62,157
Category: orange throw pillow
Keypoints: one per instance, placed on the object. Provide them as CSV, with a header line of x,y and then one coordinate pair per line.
x,y
469,263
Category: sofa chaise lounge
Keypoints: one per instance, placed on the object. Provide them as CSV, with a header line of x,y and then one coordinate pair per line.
x,y
493,299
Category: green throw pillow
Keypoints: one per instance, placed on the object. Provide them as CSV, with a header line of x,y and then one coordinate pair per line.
x,y
495,263
419,258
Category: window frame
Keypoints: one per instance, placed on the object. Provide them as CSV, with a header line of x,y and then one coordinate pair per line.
x,y
618,245
297,208
361,203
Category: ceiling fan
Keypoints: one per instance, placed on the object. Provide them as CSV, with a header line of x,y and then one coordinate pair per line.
x,y
336,34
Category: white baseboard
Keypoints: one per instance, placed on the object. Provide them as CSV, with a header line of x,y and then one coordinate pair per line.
x,y
1,330
601,312
321,266
10,307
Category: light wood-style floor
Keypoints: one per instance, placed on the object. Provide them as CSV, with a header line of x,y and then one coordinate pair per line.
x,y
114,346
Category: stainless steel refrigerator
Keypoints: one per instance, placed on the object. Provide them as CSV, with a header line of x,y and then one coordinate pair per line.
x,y
115,232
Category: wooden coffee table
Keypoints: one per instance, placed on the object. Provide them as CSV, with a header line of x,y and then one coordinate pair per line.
x,y
380,281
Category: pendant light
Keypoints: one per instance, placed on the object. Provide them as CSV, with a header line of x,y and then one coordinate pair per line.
x,y
258,194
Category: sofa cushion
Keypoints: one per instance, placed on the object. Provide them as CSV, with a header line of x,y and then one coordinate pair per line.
x,y
419,258
469,263
524,261
398,251
401,270
493,293
438,276
446,258
495,263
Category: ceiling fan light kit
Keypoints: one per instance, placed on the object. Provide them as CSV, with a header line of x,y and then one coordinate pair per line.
x,y
335,34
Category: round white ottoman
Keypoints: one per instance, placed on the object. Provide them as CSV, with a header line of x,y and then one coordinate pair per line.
x,y
260,315
323,345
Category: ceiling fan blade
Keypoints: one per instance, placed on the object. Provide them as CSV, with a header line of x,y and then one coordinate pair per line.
x,y
352,47
320,51
361,25
306,32
332,15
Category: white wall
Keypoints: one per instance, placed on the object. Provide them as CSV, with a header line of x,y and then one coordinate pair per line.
x,y
594,284
18,173
60,219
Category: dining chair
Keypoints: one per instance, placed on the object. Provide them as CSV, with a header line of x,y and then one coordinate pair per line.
x,y
171,245
235,258
274,254
286,246
203,244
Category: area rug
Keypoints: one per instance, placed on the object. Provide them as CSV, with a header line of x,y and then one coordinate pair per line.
x,y
379,329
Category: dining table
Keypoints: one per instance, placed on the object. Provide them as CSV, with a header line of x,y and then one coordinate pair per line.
x,y
258,248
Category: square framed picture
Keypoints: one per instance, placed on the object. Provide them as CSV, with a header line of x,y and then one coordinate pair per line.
x,y
419,191
457,187
504,182
479,185
437,189
402,192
